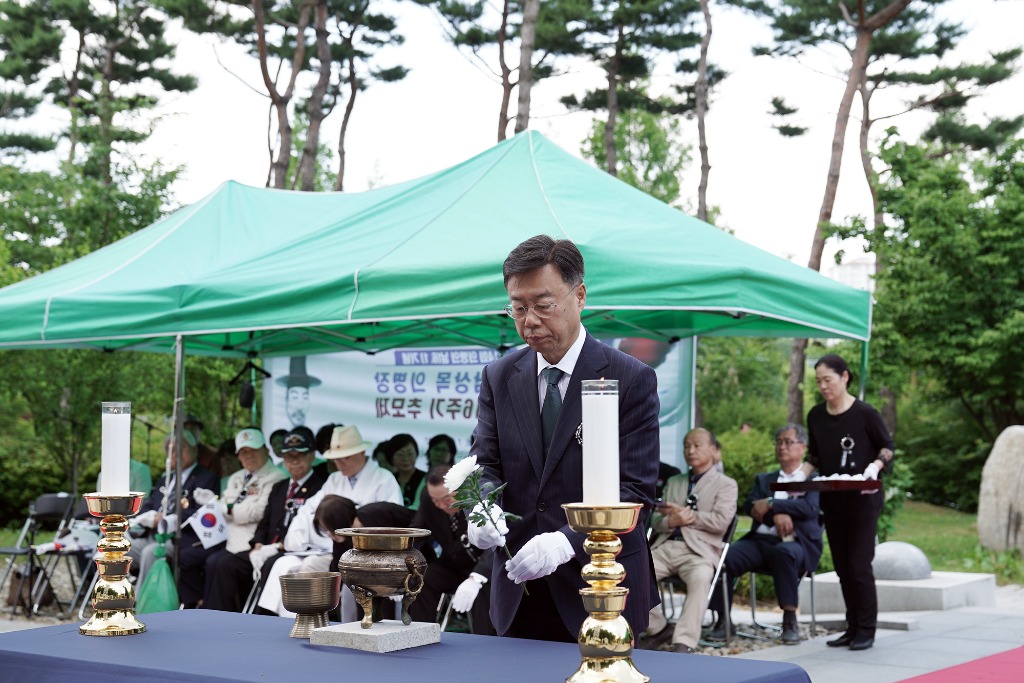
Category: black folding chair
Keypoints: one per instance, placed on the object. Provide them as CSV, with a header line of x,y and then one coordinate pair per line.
x,y
34,582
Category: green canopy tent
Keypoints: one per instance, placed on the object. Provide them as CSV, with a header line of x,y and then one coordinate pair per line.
x,y
251,271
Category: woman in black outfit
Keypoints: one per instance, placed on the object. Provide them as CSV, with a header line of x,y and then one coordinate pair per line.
x,y
847,436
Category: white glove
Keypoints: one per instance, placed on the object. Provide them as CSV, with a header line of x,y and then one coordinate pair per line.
x,y
487,536
146,519
261,555
541,555
168,525
203,496
465,594
870,473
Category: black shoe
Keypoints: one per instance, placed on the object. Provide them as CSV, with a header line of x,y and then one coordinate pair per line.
x,y
862,643
656,641
791,635
682,649
717,634
843,641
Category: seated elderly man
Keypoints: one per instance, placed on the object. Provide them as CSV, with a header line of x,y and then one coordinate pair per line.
x,y
244,500
460,566
689,525
359,479
232,577
785,538
159,511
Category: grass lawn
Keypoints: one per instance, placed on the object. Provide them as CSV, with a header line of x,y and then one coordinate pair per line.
x,y
950,540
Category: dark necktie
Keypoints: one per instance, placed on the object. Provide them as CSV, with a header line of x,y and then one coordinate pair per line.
x,y
552,404
291,490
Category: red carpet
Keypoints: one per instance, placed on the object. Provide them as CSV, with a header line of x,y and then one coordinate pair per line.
x,y
1006,667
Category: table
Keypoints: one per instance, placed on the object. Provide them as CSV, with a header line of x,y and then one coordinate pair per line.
x,y
203,645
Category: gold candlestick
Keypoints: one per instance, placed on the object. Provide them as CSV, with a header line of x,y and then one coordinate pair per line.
x,y
113,599
606,640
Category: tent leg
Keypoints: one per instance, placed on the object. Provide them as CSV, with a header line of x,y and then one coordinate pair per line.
x,y
863,369
179,427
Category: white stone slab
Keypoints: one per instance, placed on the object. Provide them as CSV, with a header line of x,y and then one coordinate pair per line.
x,y
384,636
944,590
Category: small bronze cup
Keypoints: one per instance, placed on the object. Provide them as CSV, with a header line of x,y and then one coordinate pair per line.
x,y
311,595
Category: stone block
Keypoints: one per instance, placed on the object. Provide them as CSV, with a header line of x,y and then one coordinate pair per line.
x,y
900,561
384,636
944,590
1001,499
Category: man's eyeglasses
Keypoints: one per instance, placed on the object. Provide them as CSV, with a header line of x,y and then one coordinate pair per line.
x,y
787,442
541,310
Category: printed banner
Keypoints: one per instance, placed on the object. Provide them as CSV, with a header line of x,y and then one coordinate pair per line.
x,y
424,392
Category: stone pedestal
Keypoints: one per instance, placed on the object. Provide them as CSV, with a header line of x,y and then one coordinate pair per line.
x,y
944,590
384,636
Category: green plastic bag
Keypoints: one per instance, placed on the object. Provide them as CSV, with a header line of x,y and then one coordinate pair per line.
x,y
158,592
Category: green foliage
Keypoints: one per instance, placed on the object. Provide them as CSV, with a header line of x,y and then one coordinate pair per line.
x,y
741,379
650,152
1007,565
745,455
950,296
897,485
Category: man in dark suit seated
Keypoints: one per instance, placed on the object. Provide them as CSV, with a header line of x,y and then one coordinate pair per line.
x,y
233,574
158,511
461,566
530,412
785,539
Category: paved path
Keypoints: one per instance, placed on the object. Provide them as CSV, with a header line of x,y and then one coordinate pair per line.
x,y
935,640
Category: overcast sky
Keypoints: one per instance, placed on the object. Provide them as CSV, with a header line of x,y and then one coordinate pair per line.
x,y
768,188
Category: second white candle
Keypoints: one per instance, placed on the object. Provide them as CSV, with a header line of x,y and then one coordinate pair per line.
x,y
600,442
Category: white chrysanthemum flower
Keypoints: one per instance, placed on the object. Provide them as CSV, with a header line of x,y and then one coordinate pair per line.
x,y
459,472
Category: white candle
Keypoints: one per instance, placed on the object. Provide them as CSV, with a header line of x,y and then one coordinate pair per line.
x,y
116,448
600,442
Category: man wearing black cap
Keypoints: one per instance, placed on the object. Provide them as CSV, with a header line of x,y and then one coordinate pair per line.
x,y
297,384
233,575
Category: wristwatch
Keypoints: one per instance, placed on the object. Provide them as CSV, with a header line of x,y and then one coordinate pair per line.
x,y
771,502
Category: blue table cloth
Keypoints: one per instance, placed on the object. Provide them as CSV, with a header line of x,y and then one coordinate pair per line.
x,y
202,645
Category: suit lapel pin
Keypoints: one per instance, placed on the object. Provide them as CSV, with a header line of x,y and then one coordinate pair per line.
x,y
579,434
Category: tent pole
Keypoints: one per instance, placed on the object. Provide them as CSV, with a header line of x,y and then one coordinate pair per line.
x,y
252,383
179,427
863,369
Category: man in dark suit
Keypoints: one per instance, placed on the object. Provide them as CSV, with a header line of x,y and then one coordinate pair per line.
x,y
159,506
233,573
460,567
527,435
785,539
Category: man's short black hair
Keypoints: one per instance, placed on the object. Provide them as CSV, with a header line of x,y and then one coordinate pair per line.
x,y
539,251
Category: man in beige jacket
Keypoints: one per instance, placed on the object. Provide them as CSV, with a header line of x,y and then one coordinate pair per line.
x,y
688,528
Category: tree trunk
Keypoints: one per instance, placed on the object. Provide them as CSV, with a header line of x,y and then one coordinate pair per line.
x,y
610,152
280,100
74,84
353,87
795,385
702,108
888,405
506,73
315,103
858,68
527,39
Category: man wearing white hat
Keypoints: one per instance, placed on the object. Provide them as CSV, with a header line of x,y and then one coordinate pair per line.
x,y
358,478
244,500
